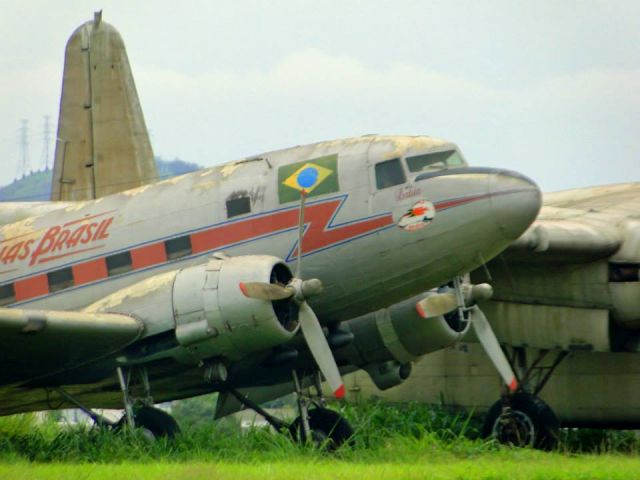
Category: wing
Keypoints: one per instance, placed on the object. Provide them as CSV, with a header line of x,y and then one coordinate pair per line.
x,y
37,343
103,145
566,240
580,225
556,286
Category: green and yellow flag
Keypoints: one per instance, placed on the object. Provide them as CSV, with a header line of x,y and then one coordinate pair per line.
x,y
317,177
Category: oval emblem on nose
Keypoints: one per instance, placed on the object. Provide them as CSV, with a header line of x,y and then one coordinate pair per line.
x,y
418,216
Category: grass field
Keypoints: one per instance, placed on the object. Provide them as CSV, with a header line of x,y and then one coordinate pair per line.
x,y
390,443
496,465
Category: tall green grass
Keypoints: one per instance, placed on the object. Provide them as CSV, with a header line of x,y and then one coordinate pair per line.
x,y
383,433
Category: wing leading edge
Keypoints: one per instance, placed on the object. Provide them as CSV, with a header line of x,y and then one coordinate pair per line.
x,y
38,343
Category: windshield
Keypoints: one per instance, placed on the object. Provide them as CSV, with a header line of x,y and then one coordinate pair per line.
x,y
435,160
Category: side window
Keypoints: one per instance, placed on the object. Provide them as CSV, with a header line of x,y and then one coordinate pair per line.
x,y
60,279
389,173
7,294
238,206
119,263
178,247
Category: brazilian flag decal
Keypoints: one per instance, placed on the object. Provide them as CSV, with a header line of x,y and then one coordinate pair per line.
x,y
317,177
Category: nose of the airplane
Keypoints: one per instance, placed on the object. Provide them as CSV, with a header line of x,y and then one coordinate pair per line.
x,y
515,202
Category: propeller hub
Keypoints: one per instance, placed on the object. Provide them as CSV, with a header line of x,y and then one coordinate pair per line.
x,y
304,289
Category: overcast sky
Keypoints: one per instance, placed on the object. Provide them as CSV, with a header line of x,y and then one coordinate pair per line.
x,y
551,89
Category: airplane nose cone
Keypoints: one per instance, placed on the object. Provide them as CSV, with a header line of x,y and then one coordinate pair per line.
x,y
515,202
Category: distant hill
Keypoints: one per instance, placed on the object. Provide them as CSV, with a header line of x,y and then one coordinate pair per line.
x,y
37,185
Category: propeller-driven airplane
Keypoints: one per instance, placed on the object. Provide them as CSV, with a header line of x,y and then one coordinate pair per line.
x,y
254,279
566,306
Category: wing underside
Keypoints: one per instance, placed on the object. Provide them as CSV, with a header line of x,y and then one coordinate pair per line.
x,y
39,343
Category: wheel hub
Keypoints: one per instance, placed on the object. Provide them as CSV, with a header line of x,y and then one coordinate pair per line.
x,y
515,427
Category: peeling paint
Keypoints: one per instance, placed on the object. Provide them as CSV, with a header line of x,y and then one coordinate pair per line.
x,y
176,180
228,169
136,191
75,206
208,185
399,145
21,229
140,289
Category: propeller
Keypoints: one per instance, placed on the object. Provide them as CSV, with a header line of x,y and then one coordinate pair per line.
x,y
299,291
441,303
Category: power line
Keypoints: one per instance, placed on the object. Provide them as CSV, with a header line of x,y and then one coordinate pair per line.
x,y
23,141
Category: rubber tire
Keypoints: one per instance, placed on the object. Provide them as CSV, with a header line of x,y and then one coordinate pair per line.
x,y
329,429
545,423
156,421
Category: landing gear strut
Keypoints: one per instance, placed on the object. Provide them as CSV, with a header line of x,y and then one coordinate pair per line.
x,y
323,427
139,410
522,419
315,423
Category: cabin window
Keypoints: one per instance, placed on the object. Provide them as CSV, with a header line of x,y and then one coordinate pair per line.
x,y
60,279
449,158
7,294
119,263
238,206
178,247
389,173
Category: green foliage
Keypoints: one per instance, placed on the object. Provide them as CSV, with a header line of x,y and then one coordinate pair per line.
x,y
33,187
593,440
195,411
17,425
374,421
37,185
383,433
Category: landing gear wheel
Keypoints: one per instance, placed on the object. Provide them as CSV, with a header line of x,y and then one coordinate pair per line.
x,y
329,429
526,422
158,422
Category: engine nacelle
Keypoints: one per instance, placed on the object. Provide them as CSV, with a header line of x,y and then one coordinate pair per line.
x,y
205,307
388,374
386,340
624,277
214,317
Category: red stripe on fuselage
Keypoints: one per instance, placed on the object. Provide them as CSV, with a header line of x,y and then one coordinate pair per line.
x,y
318,235
35,286
147,255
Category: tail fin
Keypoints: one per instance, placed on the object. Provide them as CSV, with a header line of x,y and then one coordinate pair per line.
x,y
103,145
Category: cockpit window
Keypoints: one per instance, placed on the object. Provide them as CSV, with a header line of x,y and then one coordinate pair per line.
x,y
389,173
448,158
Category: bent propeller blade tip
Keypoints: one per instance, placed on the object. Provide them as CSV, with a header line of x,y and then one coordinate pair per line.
x,y
339,392
243,289
513,385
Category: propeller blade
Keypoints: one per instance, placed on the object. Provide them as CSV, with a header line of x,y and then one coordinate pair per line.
x,y
436,305
265,291
320,349
303,196
488,339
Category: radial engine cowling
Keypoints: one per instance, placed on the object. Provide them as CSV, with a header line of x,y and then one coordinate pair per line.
x,y
213,316
399,335
208,312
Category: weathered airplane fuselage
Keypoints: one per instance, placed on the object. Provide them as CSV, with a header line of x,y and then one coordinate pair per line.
x,y
376,233
352,243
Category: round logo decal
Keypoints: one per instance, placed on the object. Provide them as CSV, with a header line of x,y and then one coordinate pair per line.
x,y
418,216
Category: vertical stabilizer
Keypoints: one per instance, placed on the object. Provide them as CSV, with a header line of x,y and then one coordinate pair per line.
x,y
103,145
